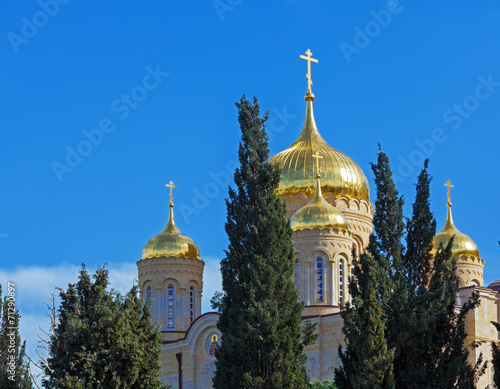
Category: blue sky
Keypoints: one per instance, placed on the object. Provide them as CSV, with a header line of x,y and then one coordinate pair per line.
x,y
159,80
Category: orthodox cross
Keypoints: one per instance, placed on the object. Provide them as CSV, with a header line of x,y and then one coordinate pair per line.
x,y
171,186
448,184
309,59
317,156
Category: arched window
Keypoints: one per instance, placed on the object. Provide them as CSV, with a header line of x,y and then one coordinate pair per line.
x,y
192,295
341,281
149,292
320,276
170,307
297,276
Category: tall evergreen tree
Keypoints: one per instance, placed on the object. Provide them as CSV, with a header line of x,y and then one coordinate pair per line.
x,y
416,290
429,332
103,340
14,368
260,323
366,361
377,274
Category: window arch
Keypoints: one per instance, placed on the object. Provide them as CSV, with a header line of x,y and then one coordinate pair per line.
x,y
341,281
298,275
192,301
170,307
320,278
149,292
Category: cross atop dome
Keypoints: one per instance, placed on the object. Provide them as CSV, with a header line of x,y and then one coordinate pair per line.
x,y
318,157
448,184
171,186
308,57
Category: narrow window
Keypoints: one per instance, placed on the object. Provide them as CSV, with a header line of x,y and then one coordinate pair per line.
x,y
297,276
192,295
341,281
320,275
170,307
149,292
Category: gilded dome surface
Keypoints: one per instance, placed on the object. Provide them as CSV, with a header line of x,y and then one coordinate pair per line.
x,y
341,175
462,243
171,242
318,214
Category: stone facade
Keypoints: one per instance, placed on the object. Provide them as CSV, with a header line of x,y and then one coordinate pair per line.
x,y
479,327
470,270
197,346
175,287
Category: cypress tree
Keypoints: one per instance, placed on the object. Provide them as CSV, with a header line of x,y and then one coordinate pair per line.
x,y
14,368
417,291
495,358
103,340
429,332
366,361
262,340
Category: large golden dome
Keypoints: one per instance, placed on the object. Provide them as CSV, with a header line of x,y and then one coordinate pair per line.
x,y
318,214
171,242
462,243
341,175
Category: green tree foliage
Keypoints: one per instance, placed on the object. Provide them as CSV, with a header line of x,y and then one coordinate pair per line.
x,y
103,340
427,330
366,360
262,336
416,290
14,368
322,385
495,358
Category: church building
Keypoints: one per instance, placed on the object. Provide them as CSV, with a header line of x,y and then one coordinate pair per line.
x,y
327,198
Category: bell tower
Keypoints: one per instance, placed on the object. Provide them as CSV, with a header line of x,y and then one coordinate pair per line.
x,y
171,278
470,266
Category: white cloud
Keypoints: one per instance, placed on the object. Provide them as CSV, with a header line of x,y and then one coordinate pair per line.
x,y
35,285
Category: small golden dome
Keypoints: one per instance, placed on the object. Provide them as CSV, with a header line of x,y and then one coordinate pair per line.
x,y
342,176
462,243
318,214
171,242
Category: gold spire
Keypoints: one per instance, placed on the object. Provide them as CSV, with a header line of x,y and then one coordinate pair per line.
x,y
309,95
171,242
462,243
341,175
318,213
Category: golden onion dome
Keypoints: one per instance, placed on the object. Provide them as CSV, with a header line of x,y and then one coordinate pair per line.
x,y
462,243
171,242
318,214
341,175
